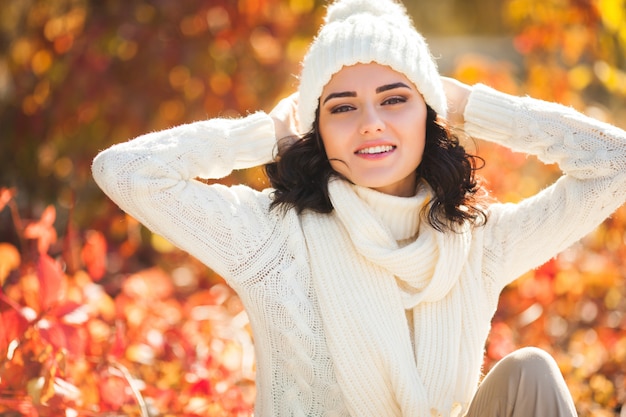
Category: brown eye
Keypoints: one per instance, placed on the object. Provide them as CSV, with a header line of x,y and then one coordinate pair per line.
x,y
395,100
341,109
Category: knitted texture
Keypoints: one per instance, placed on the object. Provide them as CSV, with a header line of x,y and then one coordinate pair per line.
x,y
380,356
364,31
369,302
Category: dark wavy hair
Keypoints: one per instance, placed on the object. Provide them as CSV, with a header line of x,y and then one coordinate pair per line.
x,y
301,172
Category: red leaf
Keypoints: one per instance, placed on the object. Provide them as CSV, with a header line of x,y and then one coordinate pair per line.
x,y
64,309
500,341
77,339
11,303
113,391
118,348
53,334
23,405
71,246
63,336
12,326
201,387
51,280
94,254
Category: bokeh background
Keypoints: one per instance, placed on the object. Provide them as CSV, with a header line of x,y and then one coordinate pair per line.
x,y
102,318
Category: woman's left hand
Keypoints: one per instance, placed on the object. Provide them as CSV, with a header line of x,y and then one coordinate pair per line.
x,y
457,94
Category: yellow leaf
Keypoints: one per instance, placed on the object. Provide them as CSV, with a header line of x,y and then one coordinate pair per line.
x,y
579,77
613,13
301,6
41,61
9,260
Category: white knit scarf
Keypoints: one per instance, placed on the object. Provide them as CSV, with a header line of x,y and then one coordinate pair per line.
x,y
371,292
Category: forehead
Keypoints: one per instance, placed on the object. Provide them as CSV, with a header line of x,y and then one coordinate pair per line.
x,y
364,76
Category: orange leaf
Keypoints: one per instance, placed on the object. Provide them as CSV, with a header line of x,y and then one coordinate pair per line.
x,y
9,260
94,254
43,230
149,284
51,280
30,293
6,194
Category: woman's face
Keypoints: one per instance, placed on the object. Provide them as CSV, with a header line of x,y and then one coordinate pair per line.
x,y
373,125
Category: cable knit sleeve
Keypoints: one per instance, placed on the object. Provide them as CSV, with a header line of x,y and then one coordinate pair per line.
x,y
591,155
153,178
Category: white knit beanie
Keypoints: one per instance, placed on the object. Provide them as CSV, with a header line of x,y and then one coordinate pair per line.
x,y
364,31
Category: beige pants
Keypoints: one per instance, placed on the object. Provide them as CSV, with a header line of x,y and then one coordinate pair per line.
x,y
526,383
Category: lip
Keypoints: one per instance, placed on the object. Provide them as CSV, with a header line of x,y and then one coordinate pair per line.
x,y
375,149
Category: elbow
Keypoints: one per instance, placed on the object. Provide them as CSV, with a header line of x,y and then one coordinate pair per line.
x,y
102,169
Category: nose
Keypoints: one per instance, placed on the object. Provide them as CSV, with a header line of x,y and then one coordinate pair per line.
x,y
371,121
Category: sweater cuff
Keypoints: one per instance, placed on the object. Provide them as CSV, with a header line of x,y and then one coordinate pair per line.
x,y
253,140
490,115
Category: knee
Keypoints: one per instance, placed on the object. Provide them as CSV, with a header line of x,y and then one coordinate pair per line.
x,y
530,381
531,362
532,355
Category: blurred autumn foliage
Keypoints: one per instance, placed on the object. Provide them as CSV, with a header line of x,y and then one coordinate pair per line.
x,y
102,318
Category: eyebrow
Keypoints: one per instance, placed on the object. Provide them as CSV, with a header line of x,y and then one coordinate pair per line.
x,y
380,89
393,86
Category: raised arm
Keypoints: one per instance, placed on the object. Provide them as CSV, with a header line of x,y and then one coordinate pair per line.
x,y
153,178
592,156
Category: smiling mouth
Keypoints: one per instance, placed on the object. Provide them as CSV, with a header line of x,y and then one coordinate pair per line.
x,y
375,150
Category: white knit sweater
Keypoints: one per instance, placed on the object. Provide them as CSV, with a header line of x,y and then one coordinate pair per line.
x,y
367,312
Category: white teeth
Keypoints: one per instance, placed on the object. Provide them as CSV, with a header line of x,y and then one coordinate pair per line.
x,y
376,149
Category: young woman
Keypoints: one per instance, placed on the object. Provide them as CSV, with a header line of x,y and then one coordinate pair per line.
x,y
372,268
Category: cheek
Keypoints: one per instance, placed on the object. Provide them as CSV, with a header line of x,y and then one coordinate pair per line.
x,y
325,138
418,126
333,150
324,130
330,136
